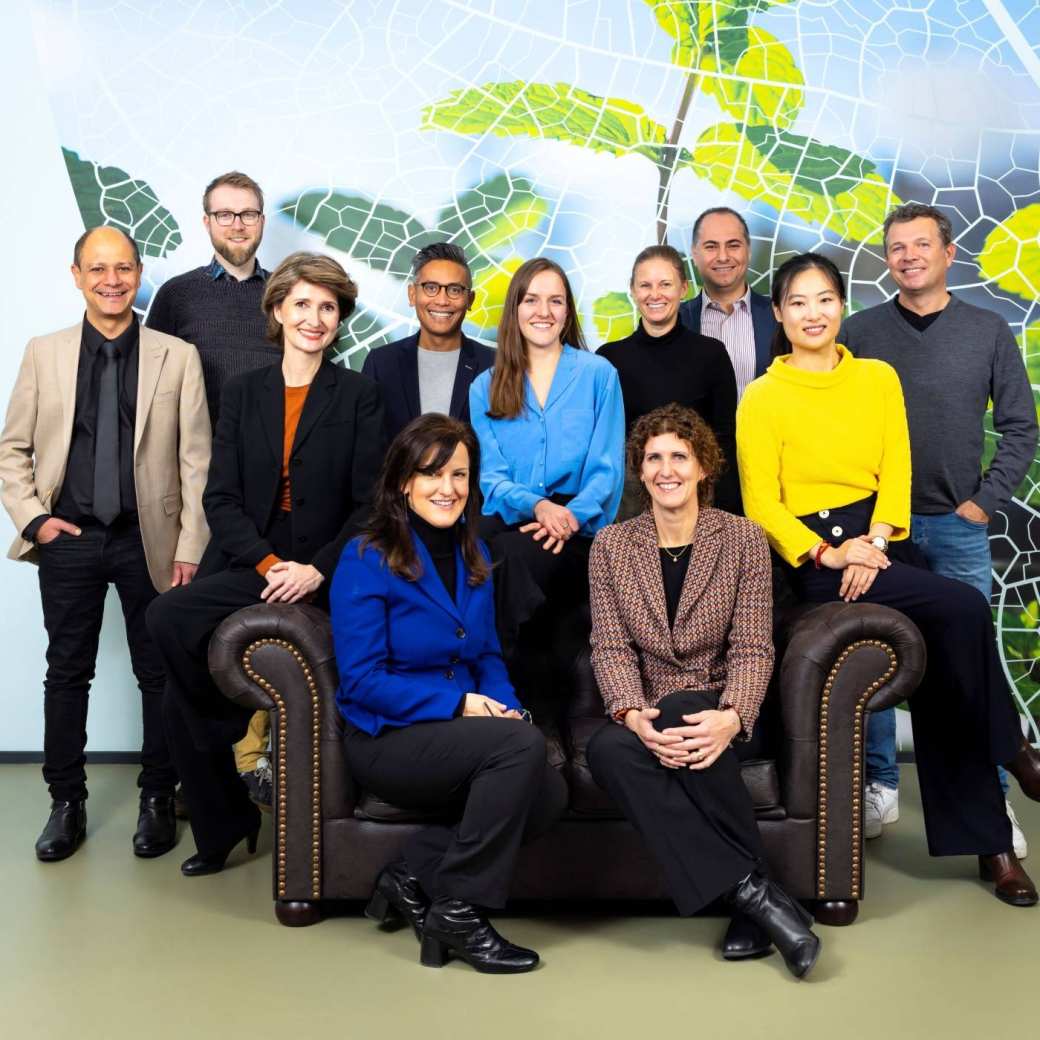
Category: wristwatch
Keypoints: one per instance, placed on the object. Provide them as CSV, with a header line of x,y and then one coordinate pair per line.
x,y
880,542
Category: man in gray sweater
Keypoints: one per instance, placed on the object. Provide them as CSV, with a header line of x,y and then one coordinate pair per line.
x,y
952,359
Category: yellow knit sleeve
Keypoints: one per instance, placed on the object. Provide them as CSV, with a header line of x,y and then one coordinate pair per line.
x,y
893,497
759,445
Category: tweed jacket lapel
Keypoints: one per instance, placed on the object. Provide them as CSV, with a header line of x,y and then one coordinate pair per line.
x,y
646,562
704,555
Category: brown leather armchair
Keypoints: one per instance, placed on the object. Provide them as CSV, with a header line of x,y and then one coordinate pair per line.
x,y
834,663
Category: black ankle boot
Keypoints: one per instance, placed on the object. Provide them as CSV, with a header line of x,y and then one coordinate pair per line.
x,y
744,940
781,918
156,826
65,829
398,899
455,927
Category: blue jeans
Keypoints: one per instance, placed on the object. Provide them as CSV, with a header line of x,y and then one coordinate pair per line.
x,y
955,548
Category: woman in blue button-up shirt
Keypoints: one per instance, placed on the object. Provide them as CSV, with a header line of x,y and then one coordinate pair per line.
x,y
551,425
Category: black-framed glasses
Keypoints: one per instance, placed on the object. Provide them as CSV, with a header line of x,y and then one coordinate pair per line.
x,y
455,290
226,217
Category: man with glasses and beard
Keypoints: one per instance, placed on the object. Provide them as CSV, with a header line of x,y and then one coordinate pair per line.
x,y
217,307
431,370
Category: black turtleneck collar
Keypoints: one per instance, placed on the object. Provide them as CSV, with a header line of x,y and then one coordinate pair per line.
x,y
673,334
440,543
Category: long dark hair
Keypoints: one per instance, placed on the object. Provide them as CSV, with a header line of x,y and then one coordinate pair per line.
x,y
785,274
424,446
506,397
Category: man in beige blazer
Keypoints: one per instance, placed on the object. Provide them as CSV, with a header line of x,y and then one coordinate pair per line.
x,y
103,460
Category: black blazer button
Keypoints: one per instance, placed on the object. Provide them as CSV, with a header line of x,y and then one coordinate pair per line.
x,y
449,674
303,539
453,659
301,501
460,633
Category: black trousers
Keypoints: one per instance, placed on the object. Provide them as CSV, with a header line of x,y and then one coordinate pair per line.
x,y
963,719
491,777
698,824
75,572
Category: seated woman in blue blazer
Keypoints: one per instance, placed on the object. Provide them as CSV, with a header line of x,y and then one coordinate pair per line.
x,y
431,717
551,423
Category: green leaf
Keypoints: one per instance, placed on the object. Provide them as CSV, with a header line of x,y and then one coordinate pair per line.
x,y
359,334
1011,253
615,316
553,112
492,214
381,236
490,285
762,62
108,195
820,184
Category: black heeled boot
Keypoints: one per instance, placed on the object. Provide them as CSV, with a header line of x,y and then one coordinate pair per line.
x,y
744,940
455,927
767,905
213,863
66,827
398,899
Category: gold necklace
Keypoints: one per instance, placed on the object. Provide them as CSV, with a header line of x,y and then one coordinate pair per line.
x,y
676,556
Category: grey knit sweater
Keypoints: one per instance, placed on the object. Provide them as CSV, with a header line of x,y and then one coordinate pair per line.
x,y
949,373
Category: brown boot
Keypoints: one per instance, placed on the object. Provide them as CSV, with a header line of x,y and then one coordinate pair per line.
x,y
1025,768
1013,884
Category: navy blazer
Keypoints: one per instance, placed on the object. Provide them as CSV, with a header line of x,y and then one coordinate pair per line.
x,y
395,367
405,651
762,320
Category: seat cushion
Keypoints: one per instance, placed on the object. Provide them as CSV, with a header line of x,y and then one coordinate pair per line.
x,y
589,799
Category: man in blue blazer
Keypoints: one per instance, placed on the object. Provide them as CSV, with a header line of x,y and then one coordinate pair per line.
x,y
726,309
431,370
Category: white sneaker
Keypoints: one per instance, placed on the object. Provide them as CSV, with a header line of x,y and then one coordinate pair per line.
x,y
1018,839
880,806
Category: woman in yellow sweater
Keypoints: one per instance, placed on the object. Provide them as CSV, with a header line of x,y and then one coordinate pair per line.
x,y
824,457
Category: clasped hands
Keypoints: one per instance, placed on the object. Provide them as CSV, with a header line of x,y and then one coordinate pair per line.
x,y
290,582
859,561
553,523
694,746
476,705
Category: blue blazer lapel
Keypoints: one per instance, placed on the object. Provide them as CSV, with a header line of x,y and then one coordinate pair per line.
x,y
430,583
408,367
690,313
765,325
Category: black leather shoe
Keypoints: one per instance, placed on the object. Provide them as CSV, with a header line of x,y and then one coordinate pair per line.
x,y
455,927
781,918
1025,768
213,863
398,899
1011,883
65,829
744,939
156,826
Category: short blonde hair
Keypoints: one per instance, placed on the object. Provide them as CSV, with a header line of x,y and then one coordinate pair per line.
x,y
315,268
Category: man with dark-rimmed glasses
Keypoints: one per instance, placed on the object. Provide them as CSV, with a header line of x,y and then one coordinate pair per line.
x,y
217,307
431,370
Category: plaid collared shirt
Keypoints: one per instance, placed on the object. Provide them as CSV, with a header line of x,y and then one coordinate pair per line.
x,y
217,271
737,332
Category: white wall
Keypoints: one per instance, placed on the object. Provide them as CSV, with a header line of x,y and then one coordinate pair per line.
x,y
40,224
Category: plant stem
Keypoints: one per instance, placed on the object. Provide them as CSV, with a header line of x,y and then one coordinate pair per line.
x,y
666,170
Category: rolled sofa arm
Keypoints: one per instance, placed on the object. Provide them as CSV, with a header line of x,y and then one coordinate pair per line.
x,y
279,658
840,660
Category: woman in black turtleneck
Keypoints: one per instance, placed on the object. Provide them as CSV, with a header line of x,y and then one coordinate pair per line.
x,y
664,362
431,717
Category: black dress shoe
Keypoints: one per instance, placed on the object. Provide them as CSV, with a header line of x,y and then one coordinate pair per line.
x,y
213,863
1025,768
455,927
1011,883
781,918
398,899
156,826
66,828
744,939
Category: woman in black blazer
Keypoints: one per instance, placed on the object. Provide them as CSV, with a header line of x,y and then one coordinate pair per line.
x,y
295,454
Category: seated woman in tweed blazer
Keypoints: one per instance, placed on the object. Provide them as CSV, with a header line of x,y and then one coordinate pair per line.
x,y
682,651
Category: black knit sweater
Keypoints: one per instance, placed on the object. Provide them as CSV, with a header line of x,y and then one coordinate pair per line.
x,y
222,318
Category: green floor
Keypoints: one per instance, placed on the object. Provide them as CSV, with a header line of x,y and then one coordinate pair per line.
x,y
107,946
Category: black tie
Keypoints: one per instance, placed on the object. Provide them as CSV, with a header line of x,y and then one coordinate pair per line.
x,y
106,440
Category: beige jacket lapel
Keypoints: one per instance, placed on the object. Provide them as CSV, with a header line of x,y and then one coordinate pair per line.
x,y
66,363
151,355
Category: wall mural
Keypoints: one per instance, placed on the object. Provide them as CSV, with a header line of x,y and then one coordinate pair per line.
x,y
582,130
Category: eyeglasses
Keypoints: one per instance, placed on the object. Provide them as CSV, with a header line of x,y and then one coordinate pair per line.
x,y
226,217
454,290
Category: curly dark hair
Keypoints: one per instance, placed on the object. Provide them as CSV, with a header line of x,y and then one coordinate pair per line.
x,y
424,446
690,428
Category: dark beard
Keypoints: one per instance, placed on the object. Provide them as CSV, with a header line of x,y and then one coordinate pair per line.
x,y
237,256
